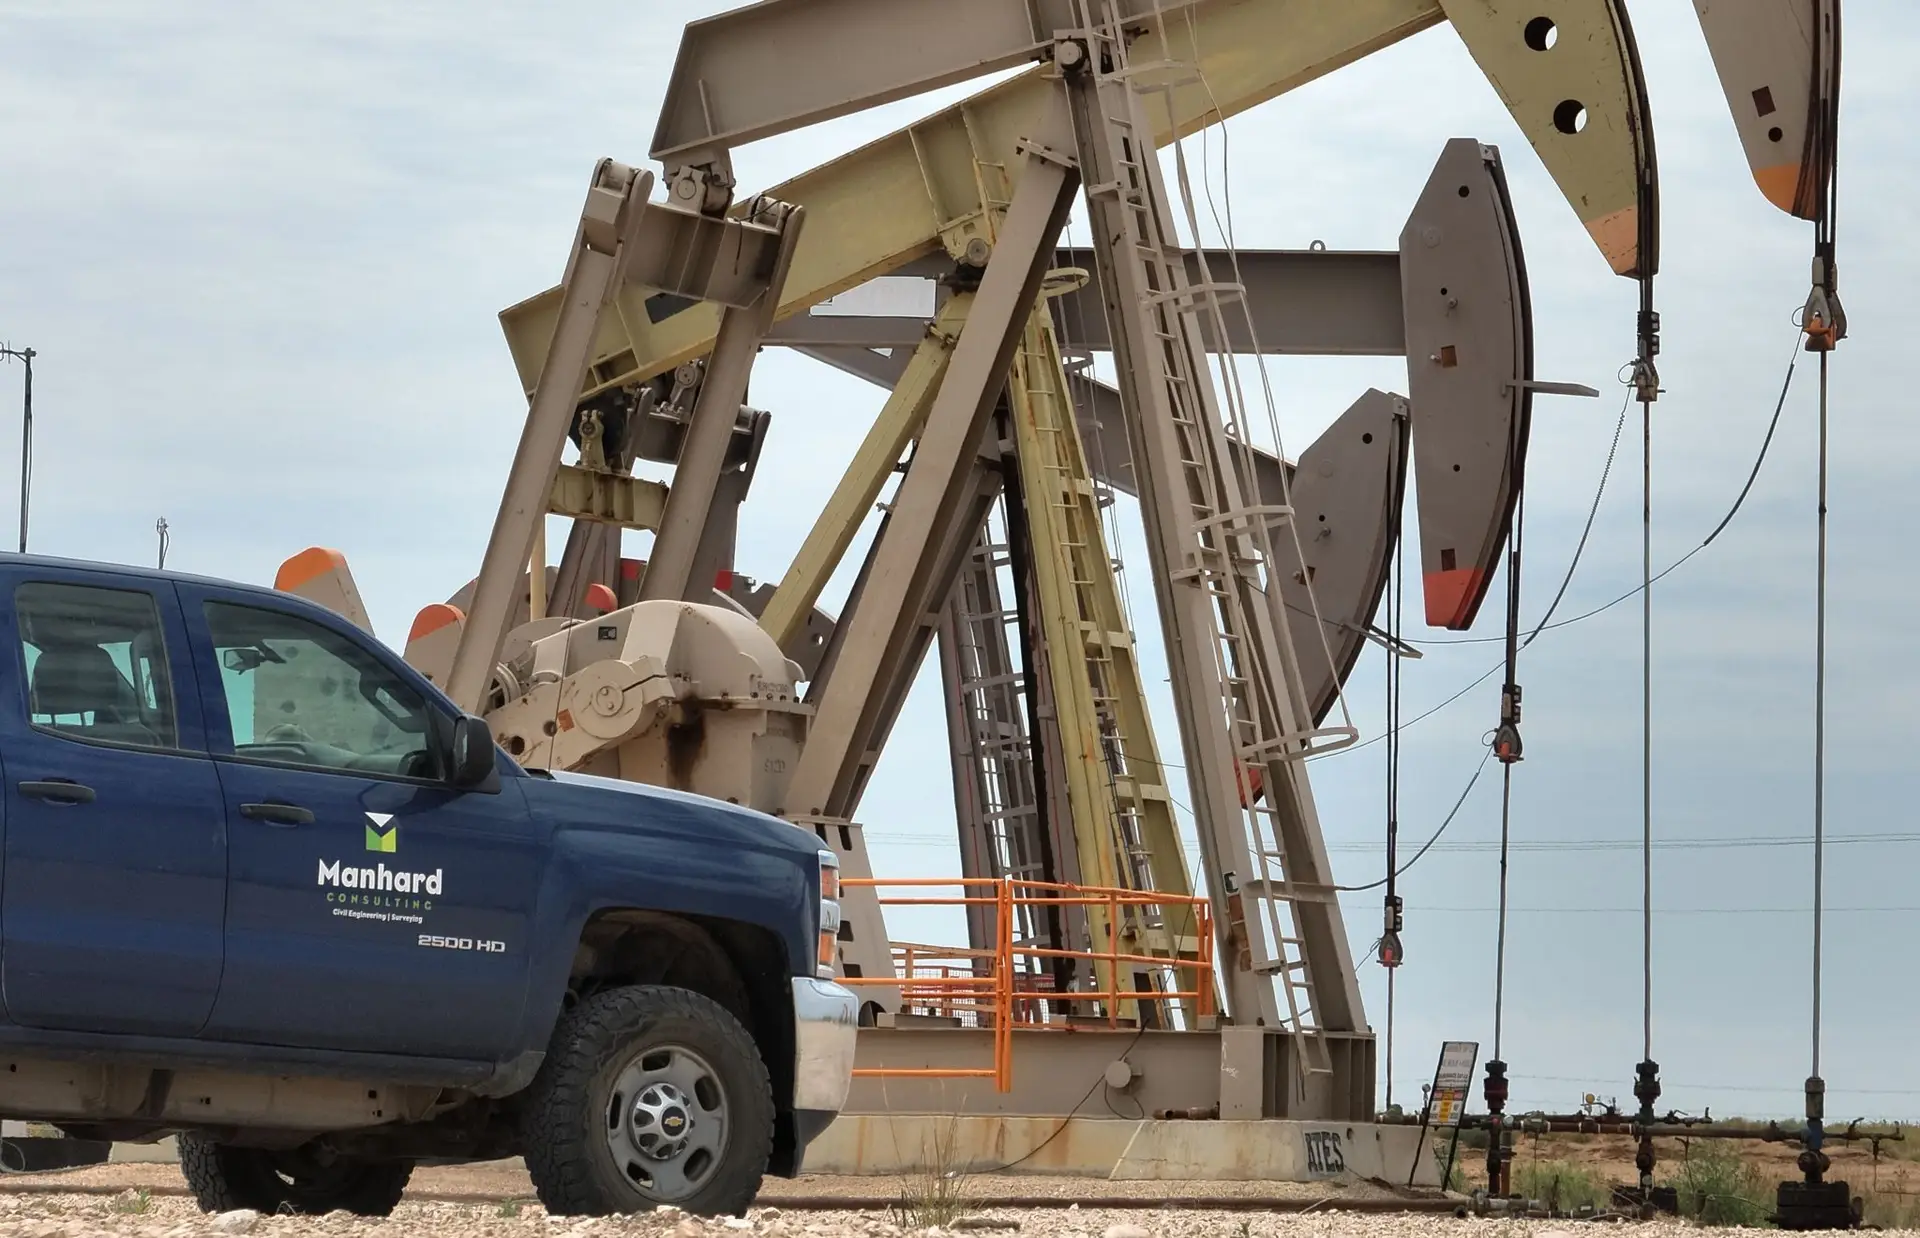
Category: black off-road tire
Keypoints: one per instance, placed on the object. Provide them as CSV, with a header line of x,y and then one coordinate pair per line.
x,y
224,1178
565,1120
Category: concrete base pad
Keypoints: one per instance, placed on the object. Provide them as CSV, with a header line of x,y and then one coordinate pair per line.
x,y
1111,1148
1119,1149
162,1152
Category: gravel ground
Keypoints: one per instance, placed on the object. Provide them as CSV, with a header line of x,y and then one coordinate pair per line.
x,y
169,1217
131,1216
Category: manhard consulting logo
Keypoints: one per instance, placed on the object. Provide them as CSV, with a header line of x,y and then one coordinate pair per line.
x,y
379,893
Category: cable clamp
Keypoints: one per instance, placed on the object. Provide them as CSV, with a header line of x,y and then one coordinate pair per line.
x,y
1823,320
1506,739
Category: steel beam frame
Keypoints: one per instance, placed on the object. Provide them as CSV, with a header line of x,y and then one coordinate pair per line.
x,y
611,222
894,201
1301,302
711,429
875,628
920,381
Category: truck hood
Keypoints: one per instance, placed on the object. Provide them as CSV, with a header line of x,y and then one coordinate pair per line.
x,y
643,808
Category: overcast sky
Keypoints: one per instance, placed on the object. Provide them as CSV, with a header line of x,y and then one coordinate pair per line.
x,y
261,250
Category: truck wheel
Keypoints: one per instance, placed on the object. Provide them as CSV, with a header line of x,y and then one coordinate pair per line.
x,y
649,1096
224,1178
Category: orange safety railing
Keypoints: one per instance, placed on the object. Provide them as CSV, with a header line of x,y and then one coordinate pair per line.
x,y
984,986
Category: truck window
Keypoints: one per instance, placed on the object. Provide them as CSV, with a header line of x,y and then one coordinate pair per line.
x,y
302,694
96,664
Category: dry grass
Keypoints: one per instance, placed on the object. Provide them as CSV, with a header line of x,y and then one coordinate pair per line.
x,y
1562,1185
936,1192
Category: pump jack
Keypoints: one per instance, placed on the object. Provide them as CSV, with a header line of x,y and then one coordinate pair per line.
x,y
643,351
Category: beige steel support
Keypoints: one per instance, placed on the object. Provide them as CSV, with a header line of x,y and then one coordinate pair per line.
x,y
1123,824
899,665
622,238
996,781
765,69
888,203
537,573
1303,302
953,430
591,555
609,224
899,423
607,498
864,944
710,431
720,539
1236,684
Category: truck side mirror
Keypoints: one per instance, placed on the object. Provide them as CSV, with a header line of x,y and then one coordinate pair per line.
x,y
470,749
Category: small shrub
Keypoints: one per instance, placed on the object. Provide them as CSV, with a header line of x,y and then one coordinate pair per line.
x,y
511,1208
133,1202
1717,1186
1562,1185
1892,1209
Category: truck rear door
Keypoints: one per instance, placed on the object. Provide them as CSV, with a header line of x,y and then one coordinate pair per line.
x,y
113,892
371,906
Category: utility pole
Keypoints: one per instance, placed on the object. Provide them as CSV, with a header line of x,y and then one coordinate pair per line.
x,y
26,436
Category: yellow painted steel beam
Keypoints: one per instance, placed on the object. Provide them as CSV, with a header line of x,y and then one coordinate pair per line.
x,y
1041,411
1123,826
898,424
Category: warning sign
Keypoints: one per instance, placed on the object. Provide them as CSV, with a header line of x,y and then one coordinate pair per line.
x,y
1452,1080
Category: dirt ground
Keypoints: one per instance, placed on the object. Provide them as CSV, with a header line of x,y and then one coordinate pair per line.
x,y
495,1200
1611,1157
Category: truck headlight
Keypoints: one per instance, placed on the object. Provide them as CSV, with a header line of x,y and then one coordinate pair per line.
x,y
829,943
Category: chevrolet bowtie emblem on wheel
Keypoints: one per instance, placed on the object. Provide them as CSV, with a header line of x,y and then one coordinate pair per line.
x,y
382,834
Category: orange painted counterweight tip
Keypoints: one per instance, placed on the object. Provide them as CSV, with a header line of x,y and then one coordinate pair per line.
x,y
1780,184
432,618
1453,596
312,562
601,598
1618,236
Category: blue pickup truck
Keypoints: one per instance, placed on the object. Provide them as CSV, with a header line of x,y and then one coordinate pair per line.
x,y
321,961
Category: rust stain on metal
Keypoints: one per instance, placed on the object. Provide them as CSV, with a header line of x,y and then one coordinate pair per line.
x,y
686,740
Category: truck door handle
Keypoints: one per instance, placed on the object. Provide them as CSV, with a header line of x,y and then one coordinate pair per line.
x,y
278,814
58,790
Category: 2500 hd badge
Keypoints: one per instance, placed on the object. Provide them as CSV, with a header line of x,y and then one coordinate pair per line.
x,y
463,943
